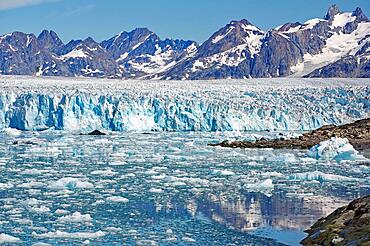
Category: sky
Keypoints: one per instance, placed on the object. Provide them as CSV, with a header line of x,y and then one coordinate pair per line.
x,y
179,19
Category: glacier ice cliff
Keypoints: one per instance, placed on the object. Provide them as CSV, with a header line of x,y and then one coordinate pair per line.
x,y
28,103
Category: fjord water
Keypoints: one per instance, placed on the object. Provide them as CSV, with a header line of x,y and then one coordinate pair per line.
x,y
165,188
160,184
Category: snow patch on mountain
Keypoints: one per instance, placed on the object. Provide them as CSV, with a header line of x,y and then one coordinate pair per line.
x,y
312,23
340,20
221,36
76,53
338,45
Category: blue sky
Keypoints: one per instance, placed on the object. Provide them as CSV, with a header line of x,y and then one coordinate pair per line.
x,y
186,19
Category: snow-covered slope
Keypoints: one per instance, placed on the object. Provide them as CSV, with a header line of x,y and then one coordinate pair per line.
x,y
28,103
339,35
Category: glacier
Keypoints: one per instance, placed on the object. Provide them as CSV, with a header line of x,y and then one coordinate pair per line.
x,y
81,104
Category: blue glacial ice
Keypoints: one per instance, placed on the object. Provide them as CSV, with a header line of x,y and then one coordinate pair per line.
x,y
28,103
338,149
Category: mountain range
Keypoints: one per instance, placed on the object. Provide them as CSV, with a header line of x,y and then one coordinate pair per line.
x,y
338,45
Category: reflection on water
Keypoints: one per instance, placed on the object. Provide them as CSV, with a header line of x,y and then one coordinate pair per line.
x,y
278,216
255,210
164,188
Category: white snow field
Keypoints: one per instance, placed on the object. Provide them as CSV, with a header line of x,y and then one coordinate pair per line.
x,y
76,104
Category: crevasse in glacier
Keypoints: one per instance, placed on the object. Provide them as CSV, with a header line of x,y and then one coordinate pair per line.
x,y
82,105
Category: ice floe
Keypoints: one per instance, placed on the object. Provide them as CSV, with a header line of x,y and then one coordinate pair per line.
x,y
117,199
335,149
5,238
76,217
70,183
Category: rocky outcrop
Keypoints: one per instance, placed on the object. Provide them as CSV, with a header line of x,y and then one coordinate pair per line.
x,y
96,133
349,225
358,134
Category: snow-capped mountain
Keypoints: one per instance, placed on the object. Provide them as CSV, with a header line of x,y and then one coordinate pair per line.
x,y
325,41
141,52
233,46
337,45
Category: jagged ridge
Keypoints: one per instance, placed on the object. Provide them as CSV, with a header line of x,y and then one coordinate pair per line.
x,y
336,46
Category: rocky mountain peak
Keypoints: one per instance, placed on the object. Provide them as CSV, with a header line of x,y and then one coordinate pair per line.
x,y
89,41
332,11
49,40
143,33
360,16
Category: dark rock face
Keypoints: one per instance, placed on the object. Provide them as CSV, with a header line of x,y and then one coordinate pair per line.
x,y
238,50
349,225
358,134
50,40
277,55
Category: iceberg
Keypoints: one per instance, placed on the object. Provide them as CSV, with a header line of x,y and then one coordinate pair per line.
x,y
70,184
320,176
227,105
335,149
5,238
76,217
117,199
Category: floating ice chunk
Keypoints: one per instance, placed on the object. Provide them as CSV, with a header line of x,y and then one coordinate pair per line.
x,y
31,202
188,239
12,132
5,238
223,172
76,217
39,210
272,174
107,172
33,172
46,150
287,157
334,149
113,229
30,185
61,211
117,199
265,186
158,177
41,244
70,184
62,234
155,190
4,186
319,176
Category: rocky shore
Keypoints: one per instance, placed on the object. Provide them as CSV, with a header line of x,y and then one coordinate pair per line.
x,y
348,225
358,134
